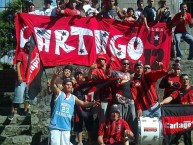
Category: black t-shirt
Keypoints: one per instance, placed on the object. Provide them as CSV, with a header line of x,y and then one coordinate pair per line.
x,y
149,13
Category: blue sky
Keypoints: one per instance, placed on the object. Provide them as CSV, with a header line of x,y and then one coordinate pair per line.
x,y
3,3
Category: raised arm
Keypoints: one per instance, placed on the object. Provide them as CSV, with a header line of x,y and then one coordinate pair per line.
x,y
85,104
54,87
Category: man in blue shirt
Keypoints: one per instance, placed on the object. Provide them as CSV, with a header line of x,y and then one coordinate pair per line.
x,y
60,123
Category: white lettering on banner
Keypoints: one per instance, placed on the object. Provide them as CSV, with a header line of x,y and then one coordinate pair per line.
x,y
101,38
184,125
22,39
61,37
81,32
43,38
116,52
34,63
135,53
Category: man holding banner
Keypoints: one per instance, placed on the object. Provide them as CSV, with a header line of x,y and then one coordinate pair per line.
x,y
21,91
184,96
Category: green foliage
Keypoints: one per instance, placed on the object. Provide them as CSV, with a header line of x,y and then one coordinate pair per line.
x,y
7,28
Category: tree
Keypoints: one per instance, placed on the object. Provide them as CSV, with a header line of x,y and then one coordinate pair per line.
x,y
7,31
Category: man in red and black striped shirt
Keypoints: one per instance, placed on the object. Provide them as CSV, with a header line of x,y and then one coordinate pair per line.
x,y
183,96
113,130
144,92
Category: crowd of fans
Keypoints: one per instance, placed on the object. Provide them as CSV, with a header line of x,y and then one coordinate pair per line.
x,y
132,95
142,15
121,103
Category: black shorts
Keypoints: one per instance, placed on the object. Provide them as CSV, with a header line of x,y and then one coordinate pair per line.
x,y
88,122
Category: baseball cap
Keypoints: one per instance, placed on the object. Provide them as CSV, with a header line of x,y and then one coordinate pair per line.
x,y
79,70
69,67
178,59
176,66
138,63
67,80
101,56
115,108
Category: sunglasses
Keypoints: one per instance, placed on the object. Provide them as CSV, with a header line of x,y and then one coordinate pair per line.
x,y
147,68
125,63
186,79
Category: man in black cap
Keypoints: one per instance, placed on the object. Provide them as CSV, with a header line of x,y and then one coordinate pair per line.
x,y
66,73
114,129
144,92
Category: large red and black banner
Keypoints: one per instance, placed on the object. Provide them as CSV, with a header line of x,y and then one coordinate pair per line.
x,y
78,40
34,71
176,119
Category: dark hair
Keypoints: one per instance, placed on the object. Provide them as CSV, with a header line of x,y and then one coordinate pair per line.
x,y
116,3
138,63
25,46
31,4
182,5
128,9
183,75
69,67
124,60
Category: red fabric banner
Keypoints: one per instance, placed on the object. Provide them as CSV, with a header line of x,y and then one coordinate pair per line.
x,y
177,124
33,66
77,40
35,70
176,119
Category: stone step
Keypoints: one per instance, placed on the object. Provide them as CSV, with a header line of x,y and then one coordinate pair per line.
x,y
5,102
16,140
19,120
39,139
14,130
4,111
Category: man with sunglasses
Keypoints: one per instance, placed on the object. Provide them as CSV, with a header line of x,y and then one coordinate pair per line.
x,y
122,89
123,94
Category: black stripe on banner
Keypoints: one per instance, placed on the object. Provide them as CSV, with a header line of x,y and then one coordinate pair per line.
x,y
177,110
